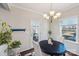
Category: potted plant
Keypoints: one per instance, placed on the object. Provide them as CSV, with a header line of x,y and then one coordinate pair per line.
x,y
6,38
13,45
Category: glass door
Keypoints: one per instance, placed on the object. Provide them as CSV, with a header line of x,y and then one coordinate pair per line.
x,y
35,30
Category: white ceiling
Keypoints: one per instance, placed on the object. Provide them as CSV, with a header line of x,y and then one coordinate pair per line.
x,y
45,7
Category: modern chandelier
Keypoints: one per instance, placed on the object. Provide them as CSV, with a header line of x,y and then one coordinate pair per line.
x,y
51,15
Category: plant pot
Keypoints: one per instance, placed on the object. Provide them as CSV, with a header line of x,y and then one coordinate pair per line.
x,y
3,49
10,52
13,52
16,50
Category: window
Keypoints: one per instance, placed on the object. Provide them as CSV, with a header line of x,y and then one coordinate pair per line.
x,y
68,28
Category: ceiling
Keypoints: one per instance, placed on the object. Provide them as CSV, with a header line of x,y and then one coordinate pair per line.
x,y
45,7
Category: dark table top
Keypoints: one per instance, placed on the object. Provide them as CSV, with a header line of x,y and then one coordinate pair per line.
x,y
57,47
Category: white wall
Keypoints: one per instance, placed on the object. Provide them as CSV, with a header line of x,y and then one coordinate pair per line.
x,y
55,30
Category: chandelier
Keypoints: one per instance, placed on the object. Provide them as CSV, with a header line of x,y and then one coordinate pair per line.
x,y
51,15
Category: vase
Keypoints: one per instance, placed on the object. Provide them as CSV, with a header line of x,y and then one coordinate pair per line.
x,y
10,52
13,52
3,49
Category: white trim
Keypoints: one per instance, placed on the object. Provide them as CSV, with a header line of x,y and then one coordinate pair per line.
x,y
26,9
39,13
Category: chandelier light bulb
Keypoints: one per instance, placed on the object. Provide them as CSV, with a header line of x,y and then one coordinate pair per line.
x,y
55,17
58,14
52,13
45,15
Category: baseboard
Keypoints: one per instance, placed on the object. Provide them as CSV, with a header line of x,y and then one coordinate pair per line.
x,y
71,54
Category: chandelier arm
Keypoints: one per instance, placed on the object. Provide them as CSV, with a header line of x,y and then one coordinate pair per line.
x,y
51,19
